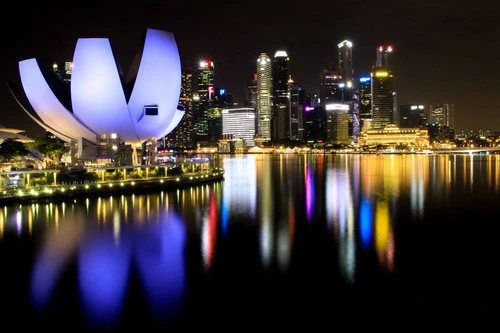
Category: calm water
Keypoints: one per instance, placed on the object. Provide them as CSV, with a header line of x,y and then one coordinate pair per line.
x,y
283,241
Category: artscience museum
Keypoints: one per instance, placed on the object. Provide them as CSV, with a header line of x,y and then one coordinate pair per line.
x,y
100,104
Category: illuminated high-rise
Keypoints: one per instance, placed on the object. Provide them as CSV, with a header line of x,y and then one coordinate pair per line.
x,y
382,90
382,97
297,105
383,56
365,98
412,116
264,96
251,93
330,90
443,115
206,80
203,102
280,129
182,137
346,72
345,61
240,124
337,124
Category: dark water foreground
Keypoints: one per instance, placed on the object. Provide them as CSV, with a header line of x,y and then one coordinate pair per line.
x,y
284,242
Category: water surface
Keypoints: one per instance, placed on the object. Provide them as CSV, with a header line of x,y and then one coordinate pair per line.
x,y
284,241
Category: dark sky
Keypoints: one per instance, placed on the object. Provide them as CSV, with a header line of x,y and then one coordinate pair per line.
x,y
445,51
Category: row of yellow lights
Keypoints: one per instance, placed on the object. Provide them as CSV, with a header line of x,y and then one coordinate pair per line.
x,y
62,189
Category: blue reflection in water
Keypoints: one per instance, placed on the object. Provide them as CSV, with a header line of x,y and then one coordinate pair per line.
x,y
103,274
365,223
224,216
55,254
160,258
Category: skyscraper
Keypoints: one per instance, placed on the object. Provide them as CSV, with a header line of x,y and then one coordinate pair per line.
x,y
443,115
251,93
382,97
330,86
206,80
205,93
280,119
337,124
345,61
412,116
382,89
182,136
347,77
264,96
365,98
383,56
240,123
297,105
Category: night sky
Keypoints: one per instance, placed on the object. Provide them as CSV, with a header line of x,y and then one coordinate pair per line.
x,y
444,51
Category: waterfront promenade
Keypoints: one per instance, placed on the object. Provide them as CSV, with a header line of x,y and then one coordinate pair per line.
x,y
130,179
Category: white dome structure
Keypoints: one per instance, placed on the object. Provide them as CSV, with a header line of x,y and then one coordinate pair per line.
x,y
99,100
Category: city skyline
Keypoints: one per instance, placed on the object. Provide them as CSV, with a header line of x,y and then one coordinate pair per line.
x,y
433,60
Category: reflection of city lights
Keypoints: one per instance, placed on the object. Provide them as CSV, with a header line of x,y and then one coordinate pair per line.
x,y
209,232
309,192
365,223
383,235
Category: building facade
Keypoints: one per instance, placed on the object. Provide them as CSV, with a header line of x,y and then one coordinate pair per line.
x,y
382,88
240,123
345,61
205,93
412,116
183,136
280,118
337,123
365,99
296,104
393,136
442,114
264,97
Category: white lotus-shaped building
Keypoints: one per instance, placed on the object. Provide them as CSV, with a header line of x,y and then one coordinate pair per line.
x,y
99,99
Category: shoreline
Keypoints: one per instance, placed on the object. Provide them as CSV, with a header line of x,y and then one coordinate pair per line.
x,y
51,193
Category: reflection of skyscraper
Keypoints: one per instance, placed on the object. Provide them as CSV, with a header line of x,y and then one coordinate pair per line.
x,y
280,118
264,96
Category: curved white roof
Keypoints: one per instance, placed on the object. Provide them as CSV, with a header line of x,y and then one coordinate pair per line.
x,y
98,99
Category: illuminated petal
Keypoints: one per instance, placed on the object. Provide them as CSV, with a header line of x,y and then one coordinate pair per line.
x,y
158,83
96,89
47,105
